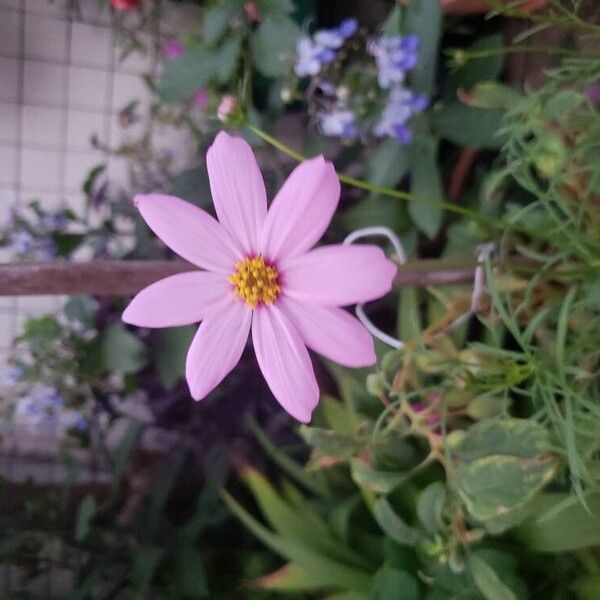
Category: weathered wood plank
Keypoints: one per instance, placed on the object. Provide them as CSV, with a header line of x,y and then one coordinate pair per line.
x,y
124,278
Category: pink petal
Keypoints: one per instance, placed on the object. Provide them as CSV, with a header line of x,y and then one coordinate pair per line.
x,y
302,210
237,189
284,362
217,346
177,300
332,332
338,275
190,232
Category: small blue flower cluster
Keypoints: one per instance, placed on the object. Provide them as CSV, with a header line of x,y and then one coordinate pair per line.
x,y
394,57
23,244
401,106
43,410
321,49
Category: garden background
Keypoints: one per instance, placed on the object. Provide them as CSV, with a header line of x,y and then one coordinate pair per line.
x,y
464,463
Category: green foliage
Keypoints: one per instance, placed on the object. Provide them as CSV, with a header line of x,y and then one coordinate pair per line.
x,y
274,45
122,351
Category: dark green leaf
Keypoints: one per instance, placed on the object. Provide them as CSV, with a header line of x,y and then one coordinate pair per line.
x,y
82,309
90,181
561,523
122,351
274,45
478,69
215,20
393,584
469,126
85,515
170,352
394,526
424,18
487,581
426,182
431,505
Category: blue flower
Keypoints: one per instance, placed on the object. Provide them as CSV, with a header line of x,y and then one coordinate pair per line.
x,y
401,106
47,249
13,374
22,242
338,123
319,50
329,38
310,57
54,222
348,27
394,56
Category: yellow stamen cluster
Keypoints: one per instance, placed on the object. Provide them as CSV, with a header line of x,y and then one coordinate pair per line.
x,y
255,281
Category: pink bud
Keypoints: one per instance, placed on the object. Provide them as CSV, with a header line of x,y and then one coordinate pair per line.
x,y
228,106
252,11
172,49
201,98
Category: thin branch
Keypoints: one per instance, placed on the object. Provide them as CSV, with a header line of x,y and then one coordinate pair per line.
x,y
115,278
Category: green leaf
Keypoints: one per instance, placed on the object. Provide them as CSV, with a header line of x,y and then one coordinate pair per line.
x,y
330,572
491,94
41,330
409,316
587,588
373,211
478,69
122,351
426,182
388,164
82,309
90,180
500,465
216,20
393,584
145,563
381,482
329,443
124,451
290,578
271,7
304,527
196,68
170,351
192,184
562,523
274,45
85,515
424,18
487,581
430,506
189,573
394,526
469,126
311,481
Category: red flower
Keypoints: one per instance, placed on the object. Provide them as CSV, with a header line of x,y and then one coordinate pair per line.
x,y
125,4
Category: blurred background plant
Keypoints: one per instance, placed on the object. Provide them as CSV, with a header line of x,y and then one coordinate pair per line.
x,y
465,465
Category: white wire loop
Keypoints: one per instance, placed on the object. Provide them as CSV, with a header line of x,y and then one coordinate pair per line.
x,y
360,310
483,253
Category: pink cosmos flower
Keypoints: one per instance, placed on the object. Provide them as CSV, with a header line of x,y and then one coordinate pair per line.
x,y
259,273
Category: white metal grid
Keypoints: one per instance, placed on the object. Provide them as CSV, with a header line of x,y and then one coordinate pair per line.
x,y
61,81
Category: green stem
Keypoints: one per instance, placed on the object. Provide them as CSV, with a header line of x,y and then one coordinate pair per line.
x,y
384,191
466,55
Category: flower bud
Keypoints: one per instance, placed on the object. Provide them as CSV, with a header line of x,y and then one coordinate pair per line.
x,y
230,112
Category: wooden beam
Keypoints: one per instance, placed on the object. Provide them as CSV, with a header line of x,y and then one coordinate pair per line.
x,y
125,278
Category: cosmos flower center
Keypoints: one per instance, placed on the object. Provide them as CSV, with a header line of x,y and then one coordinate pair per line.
x,y
255,281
